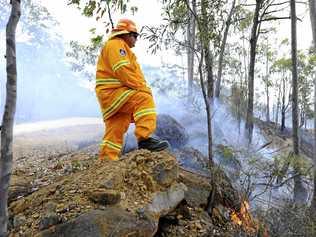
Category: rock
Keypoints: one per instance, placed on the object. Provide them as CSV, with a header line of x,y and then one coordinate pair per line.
x,y
19,206
193,159
19,220
165,202
113,180
148,186
51,207
49,220
166,173
112,221
169,129
199,188
20,186
105,197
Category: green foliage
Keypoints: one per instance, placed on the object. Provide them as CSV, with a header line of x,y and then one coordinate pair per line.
x,y
97,8
226,151
246,21
74,2
283,163
97,41
287,219
282,64
89,8
82,55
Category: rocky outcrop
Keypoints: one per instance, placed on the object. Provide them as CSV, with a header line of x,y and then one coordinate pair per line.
x,y
140,195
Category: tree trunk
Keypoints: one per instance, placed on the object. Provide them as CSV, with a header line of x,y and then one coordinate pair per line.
x,y
312,12
205,41
251,72
283,107
294,79
8,116
299,190
222,50
190,52
268,105
267,85
209,71
278,107
208,111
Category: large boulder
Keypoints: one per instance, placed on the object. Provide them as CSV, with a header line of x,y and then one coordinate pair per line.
x,y
113,221
192,159
198,189
171,130
165,202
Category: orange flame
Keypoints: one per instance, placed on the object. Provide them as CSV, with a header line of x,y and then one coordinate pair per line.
x,y
244,219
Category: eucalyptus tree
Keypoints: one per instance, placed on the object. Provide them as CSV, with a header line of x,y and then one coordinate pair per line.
x,y
306,66
265,10
176,18
8,116
269,57
282,68
312,12
299,192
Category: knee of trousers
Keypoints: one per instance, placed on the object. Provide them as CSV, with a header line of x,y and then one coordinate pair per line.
x,y
144,99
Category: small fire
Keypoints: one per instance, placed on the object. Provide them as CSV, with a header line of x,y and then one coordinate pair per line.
x,y
244,219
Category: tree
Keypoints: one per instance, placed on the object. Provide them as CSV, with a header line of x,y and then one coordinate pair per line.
x,y
305,69
312,12
251,72
8,116
264,11
282,66
298,183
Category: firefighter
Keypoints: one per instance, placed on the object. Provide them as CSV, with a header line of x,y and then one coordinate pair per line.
x,y
124,95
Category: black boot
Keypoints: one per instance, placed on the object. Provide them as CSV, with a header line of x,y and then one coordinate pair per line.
x,y
153,144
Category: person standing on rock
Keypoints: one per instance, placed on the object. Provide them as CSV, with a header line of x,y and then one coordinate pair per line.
x,y
124,95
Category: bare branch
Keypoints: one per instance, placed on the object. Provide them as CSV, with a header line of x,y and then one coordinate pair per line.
x,y
280,3
275,18
109,13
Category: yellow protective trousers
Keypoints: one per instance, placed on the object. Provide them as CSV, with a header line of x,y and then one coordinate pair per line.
x,y
140,109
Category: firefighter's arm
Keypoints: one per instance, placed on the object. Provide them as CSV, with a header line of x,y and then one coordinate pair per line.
x,y
127,75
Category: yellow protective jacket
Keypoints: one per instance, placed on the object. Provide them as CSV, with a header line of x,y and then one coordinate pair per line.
x,y
118,76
